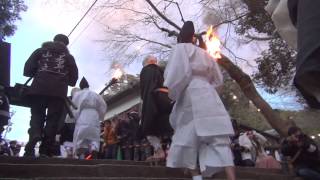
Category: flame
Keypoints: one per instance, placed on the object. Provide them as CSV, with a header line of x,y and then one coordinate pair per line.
x,y
117,73
213,44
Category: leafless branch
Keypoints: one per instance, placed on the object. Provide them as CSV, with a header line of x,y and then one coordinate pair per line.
x,y
152,41
260,38
229,21
182,19
162,15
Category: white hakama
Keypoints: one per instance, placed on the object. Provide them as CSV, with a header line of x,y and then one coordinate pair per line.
x,y
200,121
90,112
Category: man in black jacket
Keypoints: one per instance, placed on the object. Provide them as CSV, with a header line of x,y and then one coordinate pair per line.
x,y
154,118
303,153
53,68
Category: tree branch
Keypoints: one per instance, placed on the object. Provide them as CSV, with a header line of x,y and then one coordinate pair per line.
x,y
163,16
230,20
182,19
151,41
260,38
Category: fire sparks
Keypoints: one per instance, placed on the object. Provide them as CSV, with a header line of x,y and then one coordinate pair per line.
x,y
117,74
213,44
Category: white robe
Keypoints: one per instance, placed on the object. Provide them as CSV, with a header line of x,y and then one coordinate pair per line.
x,y
90,112
200,121
278,9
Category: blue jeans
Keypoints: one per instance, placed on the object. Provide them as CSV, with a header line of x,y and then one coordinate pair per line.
x,y
308,174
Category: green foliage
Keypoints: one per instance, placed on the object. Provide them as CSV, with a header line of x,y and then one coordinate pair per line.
x,y
307,120
9,13
246,113
276,64
257,19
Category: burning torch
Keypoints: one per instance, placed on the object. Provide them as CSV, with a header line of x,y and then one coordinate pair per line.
x,y
213,44
116,76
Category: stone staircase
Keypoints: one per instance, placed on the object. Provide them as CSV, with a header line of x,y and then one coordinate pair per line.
x,y
13,168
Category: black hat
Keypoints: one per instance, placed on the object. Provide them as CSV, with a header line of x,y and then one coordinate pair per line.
x,y
84,83
61,38
187,32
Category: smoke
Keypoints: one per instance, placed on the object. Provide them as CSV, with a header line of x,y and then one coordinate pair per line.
x,y
217,11
211,17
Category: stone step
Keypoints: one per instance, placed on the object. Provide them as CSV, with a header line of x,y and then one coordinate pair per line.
x,y
30,160
106,178
118,171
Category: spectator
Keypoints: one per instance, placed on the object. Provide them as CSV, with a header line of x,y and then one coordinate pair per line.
x,y
303,153
135,133
15,148
235,146
123,136
110,140
250,143
4,147
53,68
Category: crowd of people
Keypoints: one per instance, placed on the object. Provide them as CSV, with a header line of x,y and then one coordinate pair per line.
x,y
11,148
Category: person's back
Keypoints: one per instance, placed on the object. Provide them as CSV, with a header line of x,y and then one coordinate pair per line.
x,y
200,121
91,110
52,69
89,107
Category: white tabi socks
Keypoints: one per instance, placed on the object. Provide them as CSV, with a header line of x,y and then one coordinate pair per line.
x,y
197,177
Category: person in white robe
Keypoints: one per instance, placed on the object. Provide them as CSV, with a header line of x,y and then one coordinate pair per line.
x,y
200,121
90,111
279,13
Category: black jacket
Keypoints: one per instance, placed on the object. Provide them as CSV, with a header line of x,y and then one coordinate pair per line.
x,y
306,158
53,68
153,121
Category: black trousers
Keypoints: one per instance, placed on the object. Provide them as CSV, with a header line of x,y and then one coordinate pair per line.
x,y
46,112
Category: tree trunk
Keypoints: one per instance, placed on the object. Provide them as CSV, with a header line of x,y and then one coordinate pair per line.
x,y
248,88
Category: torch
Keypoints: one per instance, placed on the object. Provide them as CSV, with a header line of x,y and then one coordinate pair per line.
x,y
116,76
213,44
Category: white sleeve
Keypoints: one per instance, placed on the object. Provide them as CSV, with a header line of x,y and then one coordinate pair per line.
x,y
245,142
260,138
178,72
